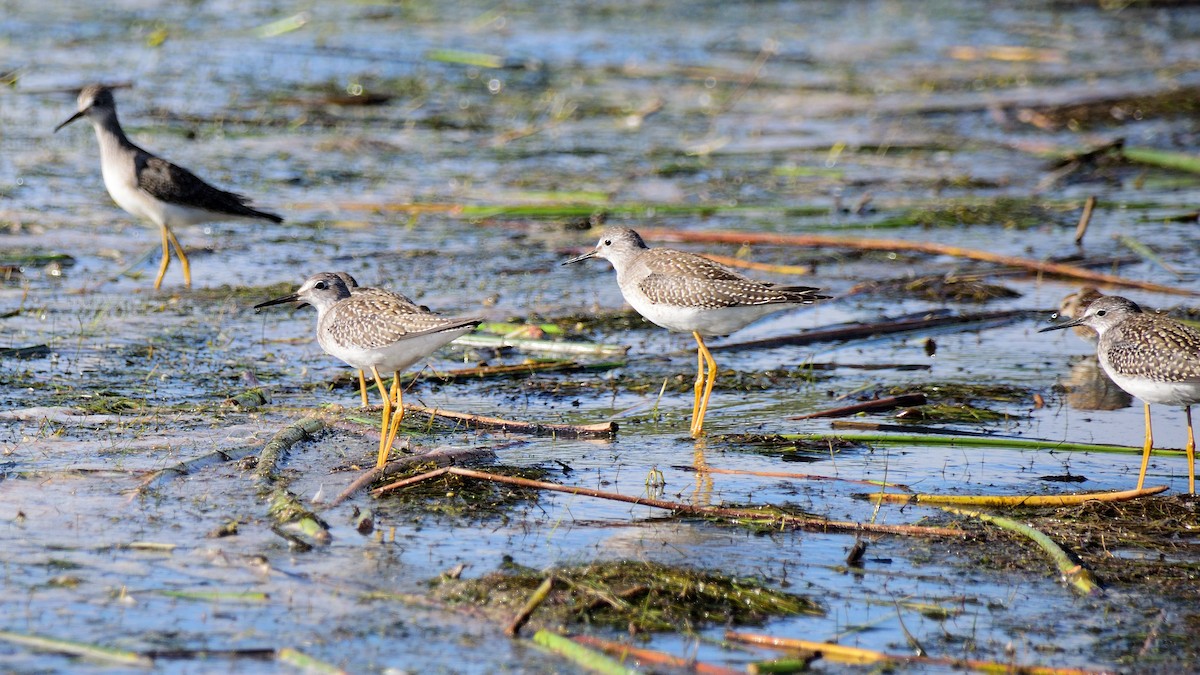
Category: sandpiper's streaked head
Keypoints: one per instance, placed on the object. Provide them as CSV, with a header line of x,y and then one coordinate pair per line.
x,y
321,290
1102,314
616,245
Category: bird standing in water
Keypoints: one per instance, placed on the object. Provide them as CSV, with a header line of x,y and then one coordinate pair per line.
x,y
1151,356
374,331
687,293
152,188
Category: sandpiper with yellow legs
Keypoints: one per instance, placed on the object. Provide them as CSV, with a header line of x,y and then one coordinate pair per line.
x,y
374,331
1151,356
152,188
391,296
687,293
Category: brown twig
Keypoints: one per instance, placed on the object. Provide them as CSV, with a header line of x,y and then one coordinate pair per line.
x,y
863,425
626,653
602,430
858,655
787,474
514,370
861,331
935,248
874,405
436,457
1017,500
1084,219
811,524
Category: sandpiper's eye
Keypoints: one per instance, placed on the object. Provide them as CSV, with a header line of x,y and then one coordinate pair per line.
x,y
1101,312
608,242
320,285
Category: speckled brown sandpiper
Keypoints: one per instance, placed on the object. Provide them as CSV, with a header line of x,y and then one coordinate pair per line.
x,y
1151,356
392,296
374,331
684,292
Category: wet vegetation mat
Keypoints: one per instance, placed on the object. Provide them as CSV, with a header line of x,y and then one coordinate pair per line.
x,y
630,596
464,500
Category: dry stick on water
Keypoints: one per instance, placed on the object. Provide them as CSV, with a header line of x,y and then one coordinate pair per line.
x,y
518,369
874,405
1071,570
811,524
435,457
649,657
886,327
786,474
858,655
602,430
1017,500
535,600
1084,219
811,240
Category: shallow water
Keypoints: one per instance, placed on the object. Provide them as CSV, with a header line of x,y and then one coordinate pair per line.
x,y
654,108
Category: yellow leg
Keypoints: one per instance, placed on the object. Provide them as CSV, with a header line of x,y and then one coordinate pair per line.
x,y
362,388
166,259
710,380
398,400
187,268
384,446
702,495
1191,452
1146,449
698,390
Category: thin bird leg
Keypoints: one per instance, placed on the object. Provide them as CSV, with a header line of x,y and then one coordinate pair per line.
x,y
384,446
187,269
1191,452
166,259
398,400
1146,449
711,379
395,387
699,388
362,388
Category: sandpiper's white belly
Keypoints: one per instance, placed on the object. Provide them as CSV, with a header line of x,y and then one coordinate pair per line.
x,y
390,358
706,321
1150,391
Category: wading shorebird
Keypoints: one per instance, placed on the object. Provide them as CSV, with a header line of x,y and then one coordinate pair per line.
x,y
1151,356
152,188
374,331
687,293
